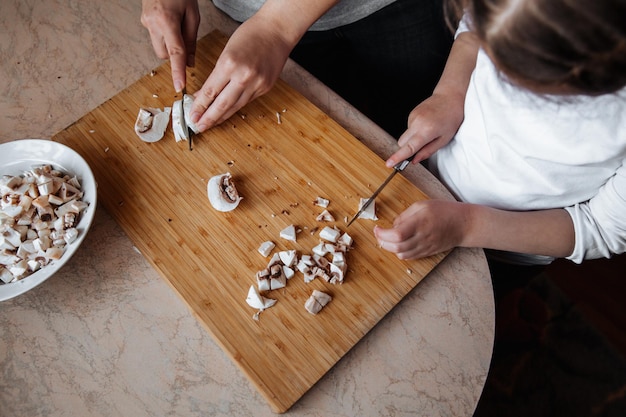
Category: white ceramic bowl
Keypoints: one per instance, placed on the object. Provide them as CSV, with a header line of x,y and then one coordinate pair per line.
x,y
19,156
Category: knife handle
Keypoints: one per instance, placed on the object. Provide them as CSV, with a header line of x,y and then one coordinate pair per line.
x,y
401,165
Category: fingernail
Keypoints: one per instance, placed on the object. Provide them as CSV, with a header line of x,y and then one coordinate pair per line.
x,y
178,86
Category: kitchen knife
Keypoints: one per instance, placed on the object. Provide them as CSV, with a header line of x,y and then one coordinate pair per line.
x,y
397,168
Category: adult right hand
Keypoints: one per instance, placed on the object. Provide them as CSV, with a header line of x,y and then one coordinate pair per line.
x,y
247,68
173,27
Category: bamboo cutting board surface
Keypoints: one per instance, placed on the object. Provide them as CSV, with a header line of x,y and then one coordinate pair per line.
x,y
157,193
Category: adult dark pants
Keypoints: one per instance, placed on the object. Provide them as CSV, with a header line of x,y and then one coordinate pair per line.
x,y
385,64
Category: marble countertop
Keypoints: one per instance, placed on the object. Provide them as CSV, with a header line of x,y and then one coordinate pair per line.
x,y
107,336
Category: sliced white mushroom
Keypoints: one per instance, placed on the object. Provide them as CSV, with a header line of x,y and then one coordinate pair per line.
x,y
370,212
317,301
222,193
179,132
151,123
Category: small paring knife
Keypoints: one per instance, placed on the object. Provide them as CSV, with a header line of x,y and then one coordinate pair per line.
x,y
397,168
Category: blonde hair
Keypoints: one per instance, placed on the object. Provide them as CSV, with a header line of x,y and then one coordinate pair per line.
x,y
580,44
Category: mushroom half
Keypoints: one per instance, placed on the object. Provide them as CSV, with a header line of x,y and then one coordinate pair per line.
x,y
222,192
151,123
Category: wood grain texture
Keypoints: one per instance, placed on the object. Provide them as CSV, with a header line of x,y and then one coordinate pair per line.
x,y
157,193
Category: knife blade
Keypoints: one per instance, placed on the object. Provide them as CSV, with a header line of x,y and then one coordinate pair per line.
x,y
400,166
186,130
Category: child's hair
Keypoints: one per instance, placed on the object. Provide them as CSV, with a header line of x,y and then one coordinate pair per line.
x,y
580,44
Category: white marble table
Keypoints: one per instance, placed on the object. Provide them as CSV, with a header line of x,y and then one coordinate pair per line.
x,y
107,336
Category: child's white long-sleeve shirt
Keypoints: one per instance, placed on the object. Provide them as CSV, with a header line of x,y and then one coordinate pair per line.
x,y
519,151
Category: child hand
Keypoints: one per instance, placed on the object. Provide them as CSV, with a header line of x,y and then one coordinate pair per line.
x,y
424,229
432,124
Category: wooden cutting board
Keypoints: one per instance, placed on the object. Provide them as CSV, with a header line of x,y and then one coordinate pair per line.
x,y
157,193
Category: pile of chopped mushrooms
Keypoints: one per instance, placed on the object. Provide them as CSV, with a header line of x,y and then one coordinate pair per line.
x,y
39,213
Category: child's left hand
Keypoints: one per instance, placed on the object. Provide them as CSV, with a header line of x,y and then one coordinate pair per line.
x,y
424,229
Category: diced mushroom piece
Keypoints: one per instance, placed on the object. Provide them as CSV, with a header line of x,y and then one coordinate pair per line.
x,y
11,236
303,267
320,249
69,192
44,209
18,269
54,253
222,193
263,280
325,216
6,276
288,257
322,202
289,233
370,212
69,220
330,234
317,301
34,265
336,273
266,248
339,258
345,240
277,277
70,235
5,244
9,183
288,272
45,186
308,276
144,121
256,300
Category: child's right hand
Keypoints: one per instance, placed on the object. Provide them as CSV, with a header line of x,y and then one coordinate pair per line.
x,y
431,125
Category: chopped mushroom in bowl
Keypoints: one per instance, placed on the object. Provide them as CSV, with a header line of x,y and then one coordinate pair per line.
x,y
48,202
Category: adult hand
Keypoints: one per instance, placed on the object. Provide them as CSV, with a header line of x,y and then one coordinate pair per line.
x,y
424,229
173,27
247,68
